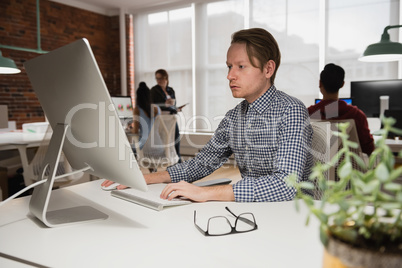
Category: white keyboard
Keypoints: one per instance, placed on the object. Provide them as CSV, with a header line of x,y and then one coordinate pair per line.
x,y
150,199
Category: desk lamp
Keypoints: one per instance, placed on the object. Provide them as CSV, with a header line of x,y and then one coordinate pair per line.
x,y
385,50
8,66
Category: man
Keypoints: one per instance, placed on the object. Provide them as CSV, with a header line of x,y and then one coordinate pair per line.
x,y
269,133
331,80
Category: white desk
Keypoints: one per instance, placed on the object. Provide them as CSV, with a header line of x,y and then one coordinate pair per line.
x,y
20,141
394,145
8,140
134,236
9,143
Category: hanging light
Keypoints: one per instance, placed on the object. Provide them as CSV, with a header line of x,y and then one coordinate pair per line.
x,y
8,66
385,50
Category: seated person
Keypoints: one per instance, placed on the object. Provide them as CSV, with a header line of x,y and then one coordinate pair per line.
x,y
144,117
330,107
269,133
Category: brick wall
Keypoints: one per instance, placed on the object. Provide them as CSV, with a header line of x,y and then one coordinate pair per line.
x,y
130,56
60,25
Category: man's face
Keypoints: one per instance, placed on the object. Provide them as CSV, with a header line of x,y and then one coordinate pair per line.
x,y
245,80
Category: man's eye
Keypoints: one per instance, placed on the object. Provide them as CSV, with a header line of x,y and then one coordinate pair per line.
x,y
229,67
241,66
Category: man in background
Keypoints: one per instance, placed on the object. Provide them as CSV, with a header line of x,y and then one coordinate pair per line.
x,y
331,107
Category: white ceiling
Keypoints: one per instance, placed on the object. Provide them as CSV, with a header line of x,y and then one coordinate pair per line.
x,y
113,7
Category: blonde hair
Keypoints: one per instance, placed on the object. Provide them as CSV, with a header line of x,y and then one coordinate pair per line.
x,y
261,45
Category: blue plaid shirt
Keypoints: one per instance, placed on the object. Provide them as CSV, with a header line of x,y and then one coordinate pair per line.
x,y
270,139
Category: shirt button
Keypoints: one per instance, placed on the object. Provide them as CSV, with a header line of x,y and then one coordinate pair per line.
x,y
249,126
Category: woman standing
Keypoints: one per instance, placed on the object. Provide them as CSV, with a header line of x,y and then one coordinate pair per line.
x,y
164,96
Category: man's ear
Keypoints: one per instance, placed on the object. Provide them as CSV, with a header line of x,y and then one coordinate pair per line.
x,y
269,68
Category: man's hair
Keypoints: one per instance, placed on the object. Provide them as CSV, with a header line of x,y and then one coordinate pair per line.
x,y
261,45
332,77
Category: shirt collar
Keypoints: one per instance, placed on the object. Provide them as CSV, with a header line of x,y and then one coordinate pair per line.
x,y
263,102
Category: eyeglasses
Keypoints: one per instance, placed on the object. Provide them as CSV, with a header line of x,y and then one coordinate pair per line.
x,y
220,225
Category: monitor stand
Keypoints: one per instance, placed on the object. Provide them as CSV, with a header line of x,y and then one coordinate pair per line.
x,y
41,194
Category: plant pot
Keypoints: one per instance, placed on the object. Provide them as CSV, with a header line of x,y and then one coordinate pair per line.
x,y
342,255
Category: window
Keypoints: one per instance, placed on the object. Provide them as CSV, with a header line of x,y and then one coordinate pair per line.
x,y
191,44
367,20
294,24
163,40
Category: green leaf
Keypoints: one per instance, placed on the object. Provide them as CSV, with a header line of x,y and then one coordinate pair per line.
x,y
307,185
352,144
297,205
396,130
382,196
346,234
343,204
371,186
324,234
359,161
379,132
381,172
308,219
395,173
345,170
393,205
393,187
399,197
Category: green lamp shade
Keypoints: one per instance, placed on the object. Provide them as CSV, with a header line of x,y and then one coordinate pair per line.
x,y
382,52
8,66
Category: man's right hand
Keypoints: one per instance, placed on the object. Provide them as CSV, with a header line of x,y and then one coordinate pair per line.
x,y
107,183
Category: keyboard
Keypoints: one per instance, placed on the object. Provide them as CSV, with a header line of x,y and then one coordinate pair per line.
x,y
150,199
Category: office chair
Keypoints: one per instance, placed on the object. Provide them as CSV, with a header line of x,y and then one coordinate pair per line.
x,y
321,150
32,169
353,136
325,146
159,149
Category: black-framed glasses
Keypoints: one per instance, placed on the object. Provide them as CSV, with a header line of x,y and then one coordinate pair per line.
x,y
220,225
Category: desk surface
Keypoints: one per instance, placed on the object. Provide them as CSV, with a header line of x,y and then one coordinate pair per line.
x,y
8,140
395,145
134,236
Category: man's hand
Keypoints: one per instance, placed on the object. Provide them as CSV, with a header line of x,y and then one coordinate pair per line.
x,y
197,193
107,183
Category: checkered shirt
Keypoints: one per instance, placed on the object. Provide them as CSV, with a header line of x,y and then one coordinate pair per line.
x,y
270,139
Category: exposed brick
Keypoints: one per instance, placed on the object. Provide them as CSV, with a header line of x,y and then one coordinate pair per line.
x,y
60,25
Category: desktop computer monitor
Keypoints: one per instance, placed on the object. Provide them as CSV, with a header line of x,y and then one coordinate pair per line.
x,y
124,106
124,109
75,99
397,115
366,95
347,100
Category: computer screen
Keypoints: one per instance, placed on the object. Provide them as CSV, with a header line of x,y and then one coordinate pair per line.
x,y
397,115
347,100
366,95
72,92
124,106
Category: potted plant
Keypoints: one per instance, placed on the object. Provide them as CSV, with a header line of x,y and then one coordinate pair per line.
x,y
360,214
